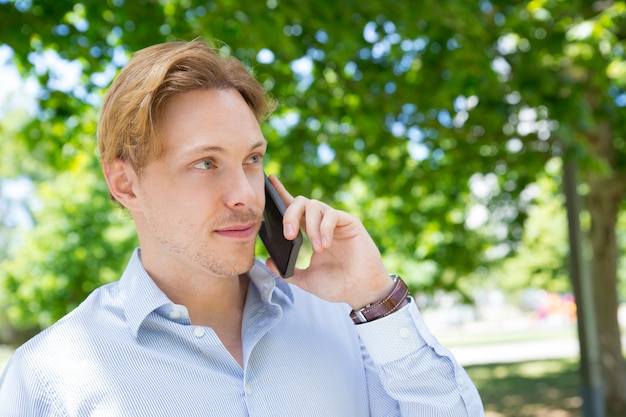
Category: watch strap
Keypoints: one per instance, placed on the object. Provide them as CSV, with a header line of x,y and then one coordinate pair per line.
x,y
393,302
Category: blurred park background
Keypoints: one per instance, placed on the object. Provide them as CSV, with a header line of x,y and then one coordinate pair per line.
x,y
483,143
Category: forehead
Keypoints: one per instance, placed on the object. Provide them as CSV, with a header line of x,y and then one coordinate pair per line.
x,y
201,120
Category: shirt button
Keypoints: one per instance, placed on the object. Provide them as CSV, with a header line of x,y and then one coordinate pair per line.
x,y
248,390
198,332
175,314
404,333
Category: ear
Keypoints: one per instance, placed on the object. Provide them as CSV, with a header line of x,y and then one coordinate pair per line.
x,y
121,179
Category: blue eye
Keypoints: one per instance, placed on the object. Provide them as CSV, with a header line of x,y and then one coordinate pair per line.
x,y
255,159
206,164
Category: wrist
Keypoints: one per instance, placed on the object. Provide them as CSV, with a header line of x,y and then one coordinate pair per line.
x,y
396,299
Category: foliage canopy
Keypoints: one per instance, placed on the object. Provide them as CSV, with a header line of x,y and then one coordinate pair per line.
x,y
427,120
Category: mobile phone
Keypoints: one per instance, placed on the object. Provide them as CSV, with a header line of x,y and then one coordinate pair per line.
x,y
284,252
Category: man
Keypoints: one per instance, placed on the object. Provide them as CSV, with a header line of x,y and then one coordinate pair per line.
x,y
196,326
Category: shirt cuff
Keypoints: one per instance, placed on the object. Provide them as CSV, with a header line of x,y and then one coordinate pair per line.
x,y
395,336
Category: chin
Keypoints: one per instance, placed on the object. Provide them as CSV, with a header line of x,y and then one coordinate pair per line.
x,y
238,264
247,266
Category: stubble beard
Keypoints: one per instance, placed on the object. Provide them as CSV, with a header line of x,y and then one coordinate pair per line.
x,y
207,254
228,266
233,261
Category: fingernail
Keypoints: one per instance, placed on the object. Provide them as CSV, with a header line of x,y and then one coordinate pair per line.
x,y
288,230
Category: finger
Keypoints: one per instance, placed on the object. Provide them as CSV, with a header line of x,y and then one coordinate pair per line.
x,y
292,220
282,191
269,262
329,222
272,266
313,217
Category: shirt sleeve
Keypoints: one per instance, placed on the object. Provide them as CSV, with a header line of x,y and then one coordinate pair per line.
x,y
22,393
415,370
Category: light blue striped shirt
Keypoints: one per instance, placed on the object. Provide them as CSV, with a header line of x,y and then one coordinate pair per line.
x,y
127,350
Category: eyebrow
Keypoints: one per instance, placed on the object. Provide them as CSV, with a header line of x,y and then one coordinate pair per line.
x,y
218,149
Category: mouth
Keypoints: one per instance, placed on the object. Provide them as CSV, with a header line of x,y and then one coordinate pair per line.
x,y
238,231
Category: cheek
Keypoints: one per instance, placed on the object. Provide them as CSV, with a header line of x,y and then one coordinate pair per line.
x,y
170,211
259,186
175,226
165,196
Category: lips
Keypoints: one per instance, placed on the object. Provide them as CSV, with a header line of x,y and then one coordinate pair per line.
x,y
239,231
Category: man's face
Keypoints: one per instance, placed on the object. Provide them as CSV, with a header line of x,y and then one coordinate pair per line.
x,y
201,203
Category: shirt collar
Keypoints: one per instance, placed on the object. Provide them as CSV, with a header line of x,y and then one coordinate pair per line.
x,y
141,296
267,282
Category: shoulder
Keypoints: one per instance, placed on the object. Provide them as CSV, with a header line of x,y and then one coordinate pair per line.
x,y
53,364
71,336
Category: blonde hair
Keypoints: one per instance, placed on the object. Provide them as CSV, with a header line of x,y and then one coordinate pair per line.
x,y
135,101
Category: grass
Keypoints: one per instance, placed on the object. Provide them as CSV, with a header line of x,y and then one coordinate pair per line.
x,y
542,388
547,388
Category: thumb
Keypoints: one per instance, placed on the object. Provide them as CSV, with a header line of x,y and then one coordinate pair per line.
x,y
272,266
269,262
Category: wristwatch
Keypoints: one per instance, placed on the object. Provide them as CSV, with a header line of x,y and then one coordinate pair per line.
x,y
396,299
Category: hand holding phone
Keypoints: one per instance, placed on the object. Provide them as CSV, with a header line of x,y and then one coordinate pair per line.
x,y
283,252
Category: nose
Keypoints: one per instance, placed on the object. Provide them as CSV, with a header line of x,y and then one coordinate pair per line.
x,y
240,188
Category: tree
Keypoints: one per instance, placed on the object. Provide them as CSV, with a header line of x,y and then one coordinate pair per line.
x,y
398,112
582,54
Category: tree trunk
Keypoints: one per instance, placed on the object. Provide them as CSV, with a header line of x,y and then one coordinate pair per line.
x,y
606,191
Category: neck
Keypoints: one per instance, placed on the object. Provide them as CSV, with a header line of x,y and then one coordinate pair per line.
x,y
217,306
215,302
210,301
